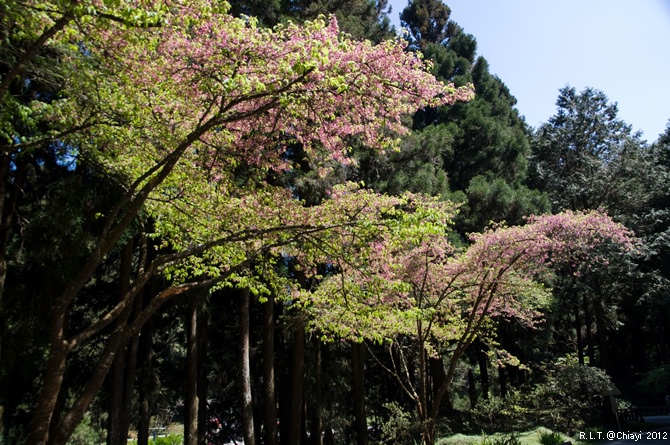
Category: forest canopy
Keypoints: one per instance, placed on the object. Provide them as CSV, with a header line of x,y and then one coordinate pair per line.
x,y
165,164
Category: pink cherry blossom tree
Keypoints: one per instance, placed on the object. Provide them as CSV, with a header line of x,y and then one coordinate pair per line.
x,y
178,105
415,284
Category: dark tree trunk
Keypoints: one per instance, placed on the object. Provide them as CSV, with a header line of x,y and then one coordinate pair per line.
x,y
202,378
146,386
483,360
269,390
578,331
502,375
191,403
58,412
283,383
603,345
296,383
358,370
472,389
122,374
54,373
245,369
75,414
317,419
438,377
590,342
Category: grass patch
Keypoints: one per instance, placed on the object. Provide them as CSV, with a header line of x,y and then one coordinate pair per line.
x,y
532,437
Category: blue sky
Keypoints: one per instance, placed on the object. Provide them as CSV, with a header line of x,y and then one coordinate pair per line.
x,y
536,47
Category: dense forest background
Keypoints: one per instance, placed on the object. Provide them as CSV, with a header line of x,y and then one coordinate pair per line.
x,y
245,358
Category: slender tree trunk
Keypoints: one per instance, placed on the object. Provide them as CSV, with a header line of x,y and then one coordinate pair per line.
x,y
5,228
502,375
483,360
472,389
578,331
202,378
358,370
74,415
590,342
269,391
7,207
54,373
116,400
146,386
438,376
119,402
317,419
297,378
245,350
58,413
601,327
191,403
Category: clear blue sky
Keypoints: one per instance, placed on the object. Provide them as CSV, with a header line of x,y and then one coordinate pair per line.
x,y
536,47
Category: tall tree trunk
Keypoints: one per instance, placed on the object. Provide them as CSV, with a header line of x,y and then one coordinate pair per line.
x,y
358,371
120,376
7,206
603,347
472,389
590,342
297,378
6,211
76,412
269,391
317,418
245,350
54,373
146,386
502,375
191,403
483,360
578,331
202,377
438,376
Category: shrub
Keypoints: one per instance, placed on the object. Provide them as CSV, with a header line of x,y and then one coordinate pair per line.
x,y
399,425
512,439
550,438
85,433
171,439
573,393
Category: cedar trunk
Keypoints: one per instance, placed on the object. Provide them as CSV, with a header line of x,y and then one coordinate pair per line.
x,y
269,390
247,401
358,370
191,404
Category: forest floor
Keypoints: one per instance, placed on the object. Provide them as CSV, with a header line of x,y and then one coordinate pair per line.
x,y
655,430
531,437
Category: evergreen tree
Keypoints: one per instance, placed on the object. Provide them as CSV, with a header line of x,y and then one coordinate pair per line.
x,y
482,145
362,19
583,157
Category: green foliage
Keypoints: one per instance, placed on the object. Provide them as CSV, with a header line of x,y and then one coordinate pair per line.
x,y
427,21
501,413
550,438
399,427
585,156
574,393
170,439
87,434
362,19
511,439
656,381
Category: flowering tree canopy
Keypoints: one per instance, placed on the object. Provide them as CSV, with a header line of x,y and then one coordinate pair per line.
x,y
414,284
173,99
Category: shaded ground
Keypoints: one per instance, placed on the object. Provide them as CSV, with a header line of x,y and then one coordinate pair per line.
x,y
652,436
